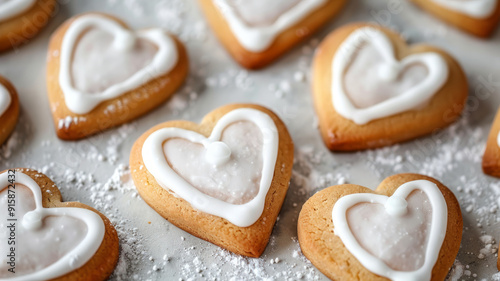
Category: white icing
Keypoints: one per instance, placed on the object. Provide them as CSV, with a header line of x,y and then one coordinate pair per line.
x,y
101,60
257,23
396,206
398,246
111,61
11,8
5,99
498,139
253,13
50,242
233,175
217,153
368,82
243,180
474,8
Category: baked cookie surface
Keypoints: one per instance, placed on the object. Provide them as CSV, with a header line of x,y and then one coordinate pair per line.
x,y
479,17
9,109
54,240
256,33
371,90
21,20
223,180
100,74
491,156
409,228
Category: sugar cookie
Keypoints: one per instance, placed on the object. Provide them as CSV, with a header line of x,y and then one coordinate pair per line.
x,y
257,32
491,157
371,90
9,109
223,180
100,74
478,17
409,228
21,20
50,239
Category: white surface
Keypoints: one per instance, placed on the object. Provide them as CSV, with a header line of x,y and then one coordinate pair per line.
x,y
85,170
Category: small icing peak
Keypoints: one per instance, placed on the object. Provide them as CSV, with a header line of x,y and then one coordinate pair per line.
x,y
389,71
124,41
396,206
32,220
218,153
498,139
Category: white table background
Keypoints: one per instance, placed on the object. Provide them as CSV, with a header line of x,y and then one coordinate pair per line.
x,y
93,171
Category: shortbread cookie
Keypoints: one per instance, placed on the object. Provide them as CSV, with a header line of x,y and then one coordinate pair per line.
x,y
9,109
371,90
223,180
50,239
21,20
491,157
257,32
350,232
100,74
478,17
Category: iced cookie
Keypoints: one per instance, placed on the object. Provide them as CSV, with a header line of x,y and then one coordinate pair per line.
x,y
478,17
223,180
21,20
257,32
100,74
46,239
371,90
9,109
409,228
491,157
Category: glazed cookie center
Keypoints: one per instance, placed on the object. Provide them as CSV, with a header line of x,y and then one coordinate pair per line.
x,y
370,79
399,239
229,170
38,247
261,12
101,60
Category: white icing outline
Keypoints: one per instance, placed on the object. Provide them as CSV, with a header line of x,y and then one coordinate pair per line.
x,y
373,263
81,254
81,102
258,38
13,8
241,215
5,99
411,99
479,9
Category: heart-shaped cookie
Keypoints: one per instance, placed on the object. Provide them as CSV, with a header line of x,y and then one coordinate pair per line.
x,y
223,181
409,228
257,32
9,109
100,74
491,156
49,239
478,17
371,89
21,20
